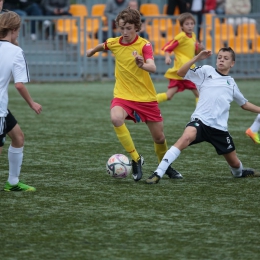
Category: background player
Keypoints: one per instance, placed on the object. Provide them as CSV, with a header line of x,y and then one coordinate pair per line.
x,y
184,46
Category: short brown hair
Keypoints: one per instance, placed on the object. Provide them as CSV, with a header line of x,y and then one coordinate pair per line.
x,y
230,50
130,16
9,21
184,16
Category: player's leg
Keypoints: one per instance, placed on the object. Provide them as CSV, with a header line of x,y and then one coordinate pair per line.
x,y
160,147
2,133
187,84
252,131
15,156
196,94
173,153
118,116
236,166
168,95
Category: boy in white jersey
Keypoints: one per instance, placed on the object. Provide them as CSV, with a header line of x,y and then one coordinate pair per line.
x,y
13,63
209,120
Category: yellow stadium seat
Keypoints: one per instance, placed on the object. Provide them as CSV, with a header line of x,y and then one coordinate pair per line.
x,y
65,25
247,30
99,10
256,44
79,10
158,44
153,32
173,31
239,44
224,31
149,9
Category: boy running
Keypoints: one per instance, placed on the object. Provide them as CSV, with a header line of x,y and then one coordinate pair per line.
x,y
134,91
184,46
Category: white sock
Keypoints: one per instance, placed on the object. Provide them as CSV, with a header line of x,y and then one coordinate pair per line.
x,y
237,172
256,125
15,157
170,156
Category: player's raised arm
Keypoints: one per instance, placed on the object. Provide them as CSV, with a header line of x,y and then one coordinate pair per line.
x,y
201,56
98,48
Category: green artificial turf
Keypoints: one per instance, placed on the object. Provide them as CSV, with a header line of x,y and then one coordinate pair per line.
x,y
79,212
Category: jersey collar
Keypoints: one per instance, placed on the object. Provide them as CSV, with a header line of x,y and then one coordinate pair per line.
x,y
221,73
126,44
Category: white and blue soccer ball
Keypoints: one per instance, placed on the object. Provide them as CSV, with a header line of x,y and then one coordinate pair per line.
x,y
119,166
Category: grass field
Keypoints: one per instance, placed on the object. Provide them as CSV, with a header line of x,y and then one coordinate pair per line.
x,y
78,212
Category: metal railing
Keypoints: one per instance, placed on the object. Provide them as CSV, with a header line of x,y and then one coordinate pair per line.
x,y
59,52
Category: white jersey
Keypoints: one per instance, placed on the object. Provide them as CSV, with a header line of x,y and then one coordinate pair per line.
x,y
216,92
12,63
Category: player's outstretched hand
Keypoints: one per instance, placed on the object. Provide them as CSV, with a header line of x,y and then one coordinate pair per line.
x,y
204,54
36,107
168,60
90,53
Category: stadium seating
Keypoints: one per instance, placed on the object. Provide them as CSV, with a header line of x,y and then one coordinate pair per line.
x,y
149,9
247,30
256,45
99,10
158,44
239,45
224,31
64,26
79,10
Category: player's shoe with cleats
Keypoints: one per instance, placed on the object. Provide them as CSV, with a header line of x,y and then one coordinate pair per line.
x,y
250,173
173,174
153,179
137,168
20,186
253,136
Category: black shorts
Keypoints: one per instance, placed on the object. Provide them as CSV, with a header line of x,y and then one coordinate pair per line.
x,y
221,140
9,123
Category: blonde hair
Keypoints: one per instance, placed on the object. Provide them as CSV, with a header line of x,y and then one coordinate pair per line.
x,y
9,21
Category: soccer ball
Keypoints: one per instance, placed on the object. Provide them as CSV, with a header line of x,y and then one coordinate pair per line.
x,y
119,166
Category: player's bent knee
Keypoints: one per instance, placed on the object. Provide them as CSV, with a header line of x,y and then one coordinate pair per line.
x,y
159,140
18,140
117,121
